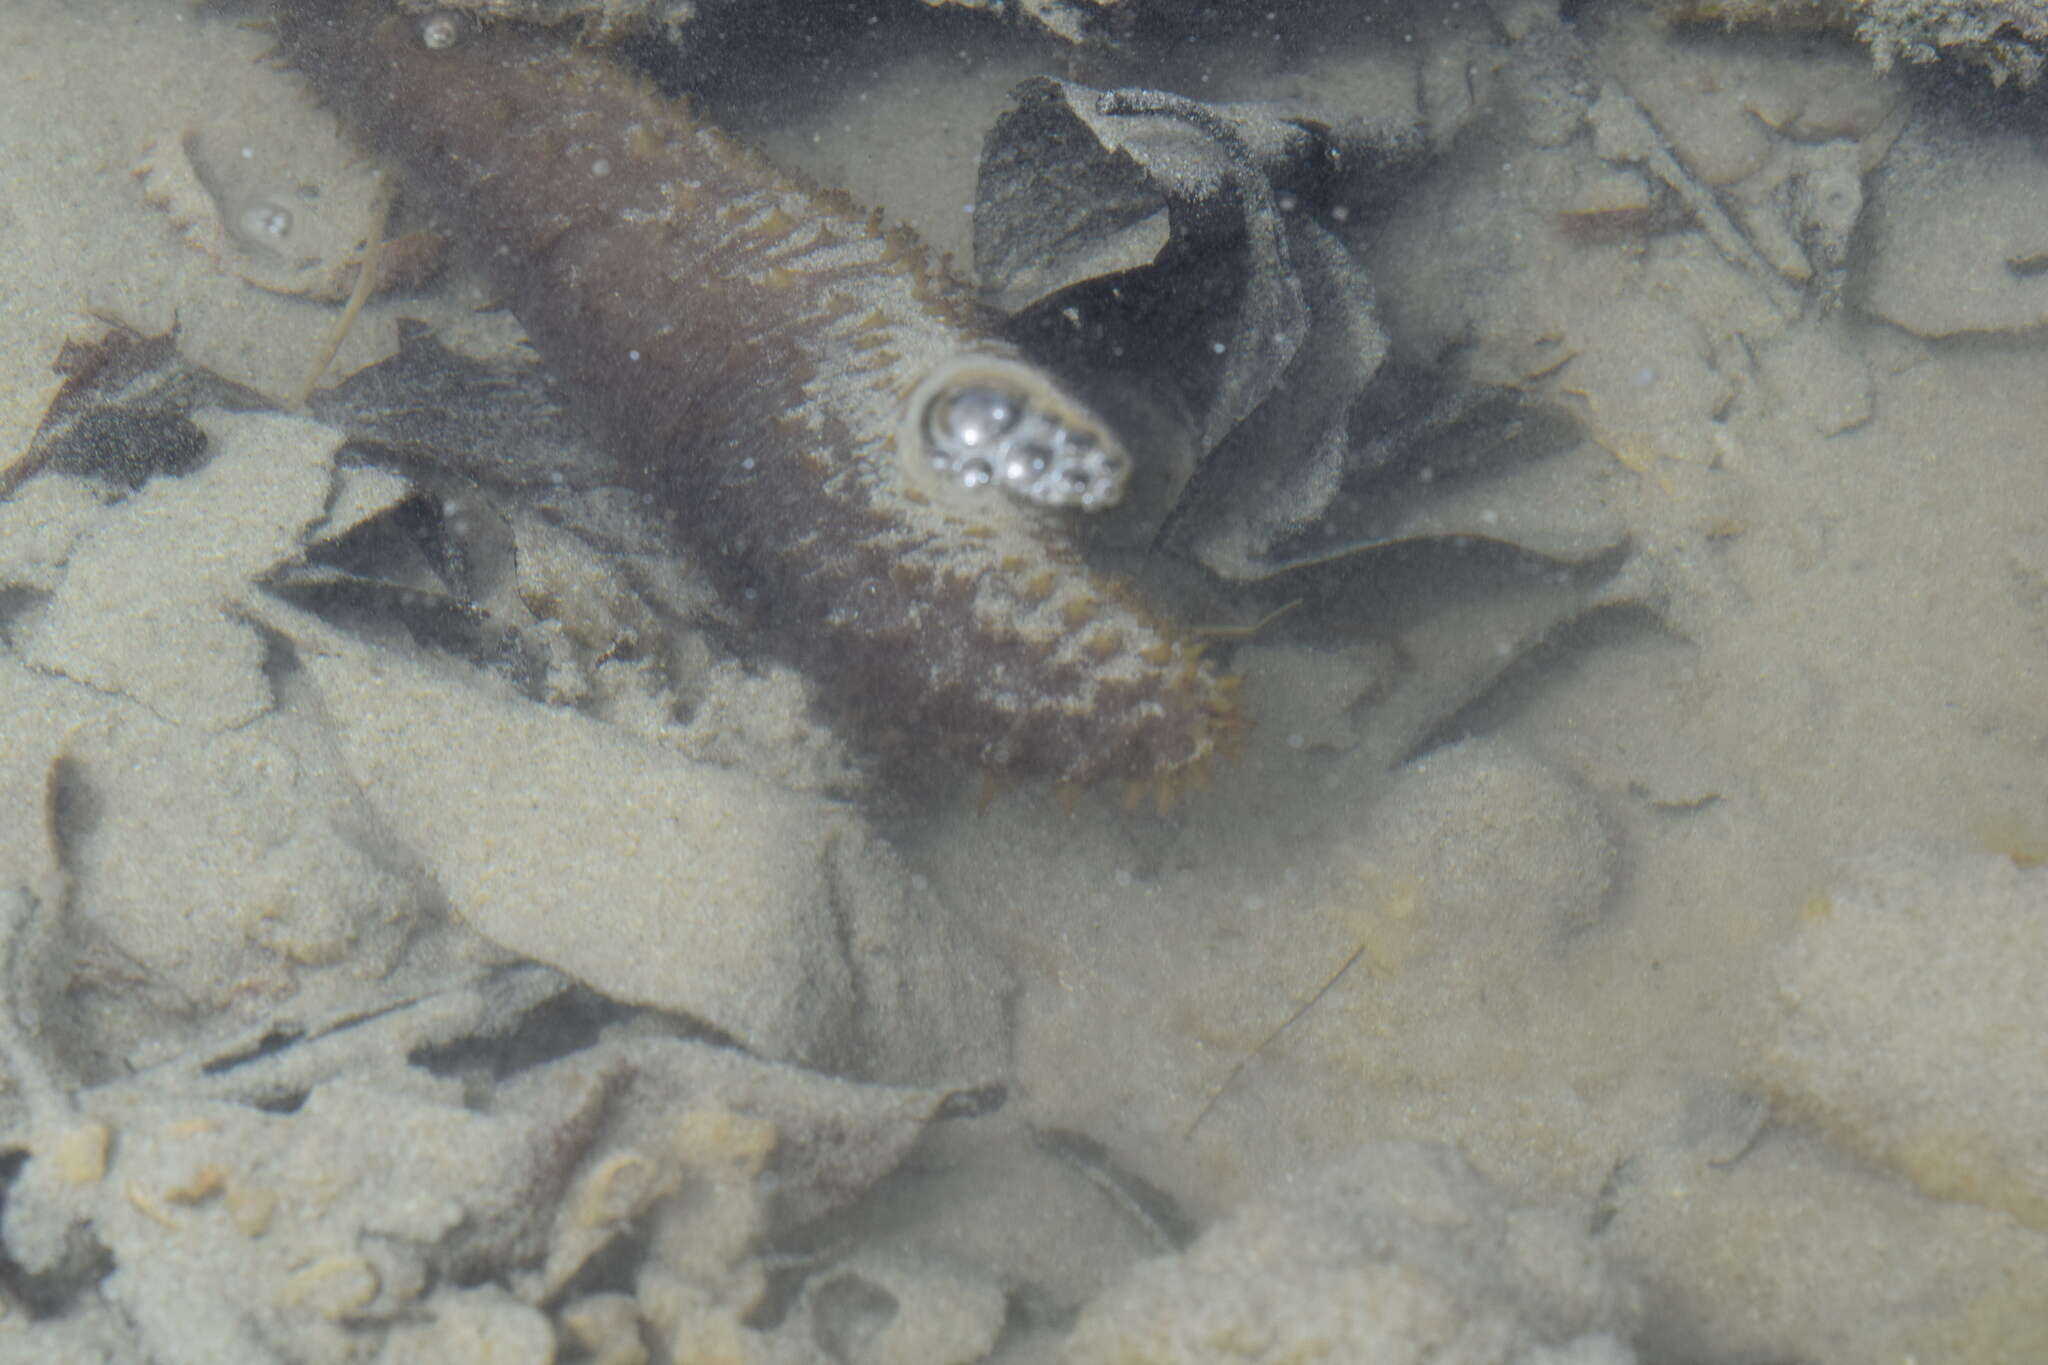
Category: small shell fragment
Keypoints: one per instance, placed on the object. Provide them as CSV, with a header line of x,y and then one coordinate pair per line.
x,y
233,199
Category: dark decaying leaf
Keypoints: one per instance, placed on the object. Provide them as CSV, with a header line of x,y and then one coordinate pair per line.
x,y
1190,247
125,415
1080,185
502,423
122,414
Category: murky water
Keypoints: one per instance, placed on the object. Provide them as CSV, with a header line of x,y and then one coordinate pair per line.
x,y
1655,827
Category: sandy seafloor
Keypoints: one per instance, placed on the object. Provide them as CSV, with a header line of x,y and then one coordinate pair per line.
x,y
1720,933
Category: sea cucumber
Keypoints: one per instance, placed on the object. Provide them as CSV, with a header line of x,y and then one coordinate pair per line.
x,y
750,346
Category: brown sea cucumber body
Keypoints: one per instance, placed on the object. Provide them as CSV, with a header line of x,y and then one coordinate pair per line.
x,y
749,345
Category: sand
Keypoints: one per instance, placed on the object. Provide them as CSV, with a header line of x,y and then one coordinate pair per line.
x,y
1610,948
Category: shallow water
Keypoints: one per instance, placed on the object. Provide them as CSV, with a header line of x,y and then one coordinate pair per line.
x,y
1546,885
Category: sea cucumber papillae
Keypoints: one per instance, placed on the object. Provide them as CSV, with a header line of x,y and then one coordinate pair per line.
x,y
750,347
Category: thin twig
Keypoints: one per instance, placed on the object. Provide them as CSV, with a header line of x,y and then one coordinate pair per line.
x,y
1269,1040
366,284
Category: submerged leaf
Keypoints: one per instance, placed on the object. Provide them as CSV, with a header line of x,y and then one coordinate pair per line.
x,y
1186,246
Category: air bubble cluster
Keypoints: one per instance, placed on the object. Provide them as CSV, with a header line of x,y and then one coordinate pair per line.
x,y
982,432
